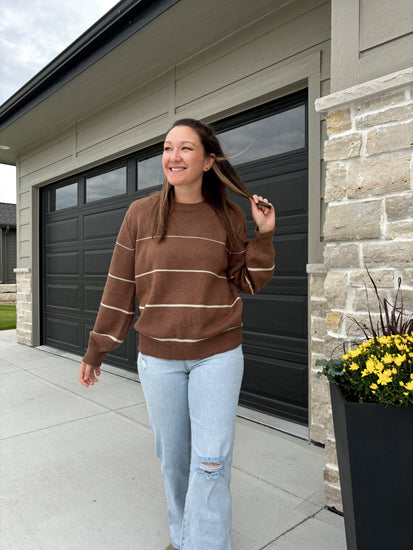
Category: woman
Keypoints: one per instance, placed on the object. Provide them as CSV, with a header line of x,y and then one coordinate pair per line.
x,y
184,252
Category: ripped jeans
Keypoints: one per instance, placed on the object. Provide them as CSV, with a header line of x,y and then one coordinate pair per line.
x,y
192,409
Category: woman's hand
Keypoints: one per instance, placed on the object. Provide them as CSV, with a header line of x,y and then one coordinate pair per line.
x,y
88,374
263,217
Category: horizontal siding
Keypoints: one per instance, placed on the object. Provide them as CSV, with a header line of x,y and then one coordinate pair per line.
x,y
383,21
264,51
57,149
386,59
126,115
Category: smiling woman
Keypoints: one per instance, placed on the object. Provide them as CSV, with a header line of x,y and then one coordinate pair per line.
x,y
184,252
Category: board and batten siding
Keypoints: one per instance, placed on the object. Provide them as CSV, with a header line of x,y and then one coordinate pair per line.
x,y
370,39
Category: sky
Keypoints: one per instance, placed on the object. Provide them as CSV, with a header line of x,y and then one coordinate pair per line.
x,y
32,33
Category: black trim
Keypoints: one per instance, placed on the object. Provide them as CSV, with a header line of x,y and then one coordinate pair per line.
x,y
121,22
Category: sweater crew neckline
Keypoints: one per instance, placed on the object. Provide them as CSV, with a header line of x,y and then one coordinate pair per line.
x,y
189,206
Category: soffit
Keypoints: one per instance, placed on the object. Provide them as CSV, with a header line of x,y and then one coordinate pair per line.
x,y
182,31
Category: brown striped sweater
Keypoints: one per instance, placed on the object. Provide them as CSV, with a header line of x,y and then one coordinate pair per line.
x,y
189,307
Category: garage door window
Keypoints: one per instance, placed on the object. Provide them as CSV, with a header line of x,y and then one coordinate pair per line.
x,y
106,185
150,172
63,197
274,135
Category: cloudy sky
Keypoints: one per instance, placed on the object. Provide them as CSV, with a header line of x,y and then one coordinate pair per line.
x,y
32,33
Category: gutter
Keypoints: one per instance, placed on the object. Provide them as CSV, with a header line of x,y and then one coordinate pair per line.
x,y
119,24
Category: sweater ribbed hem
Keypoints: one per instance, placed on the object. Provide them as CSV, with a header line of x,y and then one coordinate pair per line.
x,y
188,352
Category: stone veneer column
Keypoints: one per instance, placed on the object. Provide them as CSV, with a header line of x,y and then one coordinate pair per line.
x,y
319,398
369,212
24,306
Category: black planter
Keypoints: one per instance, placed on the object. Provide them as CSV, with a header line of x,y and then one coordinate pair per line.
x,y
375,460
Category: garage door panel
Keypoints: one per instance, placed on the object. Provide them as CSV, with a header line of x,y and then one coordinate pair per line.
x,y
275,347
103,224
286,285
269,314
291,255
64,332
92,297
289,379
62,263
63,231
63,297
97,261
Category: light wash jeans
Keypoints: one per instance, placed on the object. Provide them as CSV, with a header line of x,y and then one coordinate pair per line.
x,y
192,411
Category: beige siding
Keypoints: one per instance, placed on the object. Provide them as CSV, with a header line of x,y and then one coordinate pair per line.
x,y
383,21
370,39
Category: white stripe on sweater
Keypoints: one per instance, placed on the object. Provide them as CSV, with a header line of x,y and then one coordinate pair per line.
x,y
190,305
123,246
108,336
249,284
180,271
118,309
261,268
120,279
188,341
184,237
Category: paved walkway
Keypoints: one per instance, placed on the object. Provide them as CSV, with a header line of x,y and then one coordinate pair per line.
x,y
78,470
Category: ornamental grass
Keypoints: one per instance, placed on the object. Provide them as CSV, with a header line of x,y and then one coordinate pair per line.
x,y
380,368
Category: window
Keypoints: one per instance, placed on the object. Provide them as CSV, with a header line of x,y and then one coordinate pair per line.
x,y
150,172
63,197
266,137
106,185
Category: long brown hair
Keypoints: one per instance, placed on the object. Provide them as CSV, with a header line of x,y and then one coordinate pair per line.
x,y
215,181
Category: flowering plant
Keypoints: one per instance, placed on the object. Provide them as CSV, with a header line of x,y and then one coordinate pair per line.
x,y
380,369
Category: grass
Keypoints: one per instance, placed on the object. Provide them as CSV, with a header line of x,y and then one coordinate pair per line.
x,y
7,317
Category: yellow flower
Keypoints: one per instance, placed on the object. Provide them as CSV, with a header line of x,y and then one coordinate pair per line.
x,y
387,358
384,377
364,373
379,366
374,386
394,370
409,385
354,366
402,347
352,353
399,359
371,364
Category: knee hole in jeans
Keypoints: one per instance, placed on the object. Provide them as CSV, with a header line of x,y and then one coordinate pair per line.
x,y
211,467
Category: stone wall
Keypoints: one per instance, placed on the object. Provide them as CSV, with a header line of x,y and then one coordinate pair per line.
x,y
24,306
319,401
369,213
8,294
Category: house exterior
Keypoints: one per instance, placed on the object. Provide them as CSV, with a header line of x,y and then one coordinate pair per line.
x,y
7,243
312,98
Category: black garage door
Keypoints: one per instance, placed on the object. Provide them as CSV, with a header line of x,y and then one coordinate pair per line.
x,y
81,217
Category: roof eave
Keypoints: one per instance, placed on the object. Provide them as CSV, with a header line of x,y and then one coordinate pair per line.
x,y
124,19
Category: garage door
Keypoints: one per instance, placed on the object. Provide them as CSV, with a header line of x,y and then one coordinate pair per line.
x,y
81,217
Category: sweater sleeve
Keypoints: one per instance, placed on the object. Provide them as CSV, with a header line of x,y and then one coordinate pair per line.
x,y
253,266
117,308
